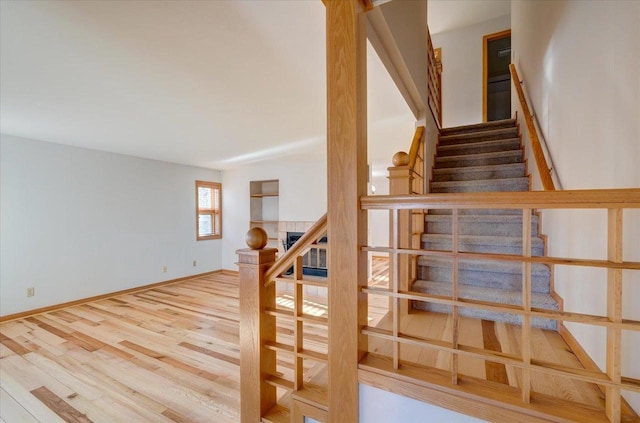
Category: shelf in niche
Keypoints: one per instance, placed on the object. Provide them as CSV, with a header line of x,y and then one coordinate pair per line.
x,y
275,194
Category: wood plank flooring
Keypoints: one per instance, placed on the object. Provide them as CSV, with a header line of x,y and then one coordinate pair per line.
x,y
161,355
170,354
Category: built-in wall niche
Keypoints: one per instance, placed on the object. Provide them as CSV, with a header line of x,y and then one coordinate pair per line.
x,y
265,208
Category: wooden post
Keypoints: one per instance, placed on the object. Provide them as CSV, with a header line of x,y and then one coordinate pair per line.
x,y
256,328
614,312
400,180
347,182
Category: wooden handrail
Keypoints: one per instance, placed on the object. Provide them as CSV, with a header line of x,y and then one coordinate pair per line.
x,y
415,146
538,154
571,199
287,260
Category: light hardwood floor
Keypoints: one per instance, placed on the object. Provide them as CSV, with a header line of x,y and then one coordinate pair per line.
x,y
162,355
170,353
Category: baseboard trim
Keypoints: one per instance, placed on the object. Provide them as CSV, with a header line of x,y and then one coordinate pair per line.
x,y
100,297
229,272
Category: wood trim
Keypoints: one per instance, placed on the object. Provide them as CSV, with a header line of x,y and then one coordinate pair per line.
x,y
213,211
346,33
538,154
100,297
575,199
485,63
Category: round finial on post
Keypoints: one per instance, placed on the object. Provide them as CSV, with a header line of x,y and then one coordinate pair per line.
x,y
400,159
256,238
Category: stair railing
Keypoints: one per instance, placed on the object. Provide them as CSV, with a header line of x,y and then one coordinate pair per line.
x,y
434,81
396,371
272,331
541,162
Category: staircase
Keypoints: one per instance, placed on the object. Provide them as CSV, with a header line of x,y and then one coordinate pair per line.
x,y
485,157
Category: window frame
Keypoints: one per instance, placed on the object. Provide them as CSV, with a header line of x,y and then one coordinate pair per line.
x,y
213,212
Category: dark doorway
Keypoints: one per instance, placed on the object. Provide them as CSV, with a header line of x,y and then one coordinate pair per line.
x,y
497,80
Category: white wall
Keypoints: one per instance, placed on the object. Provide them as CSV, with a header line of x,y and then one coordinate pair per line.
x,y
462,70
77,223
303,196
378,406
407,22
581,67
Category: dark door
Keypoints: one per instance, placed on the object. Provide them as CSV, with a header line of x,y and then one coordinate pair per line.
x,y
498,80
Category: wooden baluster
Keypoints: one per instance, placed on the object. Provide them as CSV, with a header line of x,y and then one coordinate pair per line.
x,y
395,278
256,328
298,335
526,305
614,313
454,296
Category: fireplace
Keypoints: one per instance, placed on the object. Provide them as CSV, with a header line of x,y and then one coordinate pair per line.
x,y
314,262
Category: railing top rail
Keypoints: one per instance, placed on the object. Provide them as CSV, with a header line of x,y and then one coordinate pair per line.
x,y
288,258
571,199
415,146
541,161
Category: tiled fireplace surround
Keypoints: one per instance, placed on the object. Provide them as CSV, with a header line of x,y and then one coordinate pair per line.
x,y
296,226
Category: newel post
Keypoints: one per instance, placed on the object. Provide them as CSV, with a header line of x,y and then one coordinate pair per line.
x,y
256,328
400,182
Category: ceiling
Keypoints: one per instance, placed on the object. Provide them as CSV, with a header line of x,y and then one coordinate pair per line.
x,y
216,84
445,15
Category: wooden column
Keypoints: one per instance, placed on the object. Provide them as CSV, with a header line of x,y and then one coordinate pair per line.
x,y
256,362
347,181
400,180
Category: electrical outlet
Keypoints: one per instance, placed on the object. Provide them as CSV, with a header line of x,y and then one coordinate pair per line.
x,y
195,263
164,269
31,292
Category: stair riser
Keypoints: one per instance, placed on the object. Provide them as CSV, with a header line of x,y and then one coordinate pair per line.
x,y
509,281
460,149
460,174
537,249
489,126
478,161
518,186
471,138
487,315
511,229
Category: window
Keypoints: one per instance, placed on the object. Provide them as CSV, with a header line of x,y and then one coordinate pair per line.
x,y
208,210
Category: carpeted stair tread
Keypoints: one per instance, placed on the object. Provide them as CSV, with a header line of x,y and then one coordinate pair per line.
x,y
483,224
485,273
470,173
481,244
503,296
513,267
482,159
479,147
482,185
473,137
485,126
501,212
